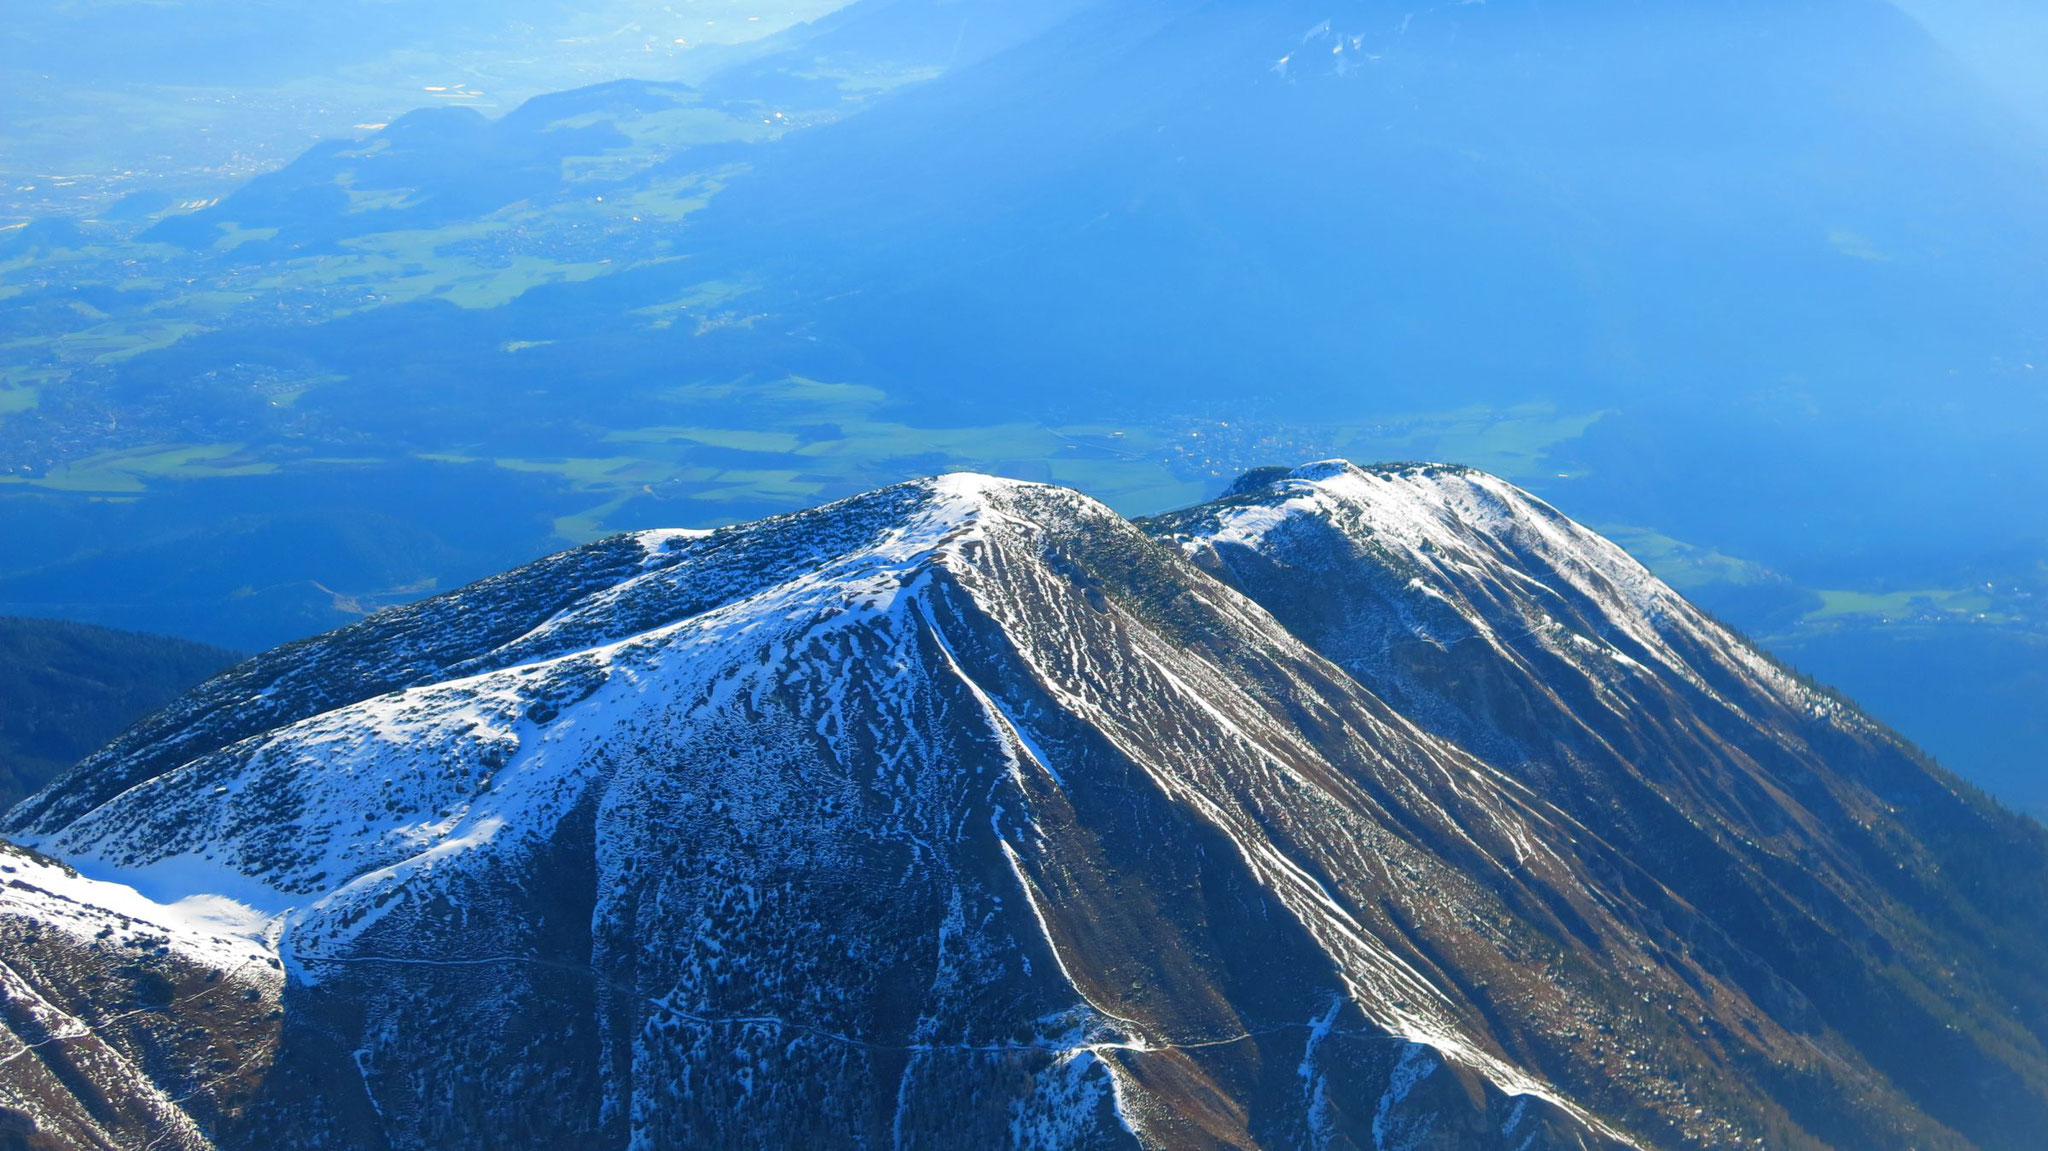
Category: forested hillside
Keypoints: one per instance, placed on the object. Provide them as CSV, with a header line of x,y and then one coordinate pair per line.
x,y
66,688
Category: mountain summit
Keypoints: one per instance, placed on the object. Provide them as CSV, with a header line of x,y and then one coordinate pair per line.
x,y
1376,807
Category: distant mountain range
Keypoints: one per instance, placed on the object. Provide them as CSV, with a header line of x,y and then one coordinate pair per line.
x,y
1362,807
1753,286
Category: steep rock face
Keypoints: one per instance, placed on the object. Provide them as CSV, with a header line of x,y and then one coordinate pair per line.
x,y
764,842
966,812
1868,901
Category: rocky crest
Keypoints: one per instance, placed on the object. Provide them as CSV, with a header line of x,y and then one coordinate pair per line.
x,y
1363,807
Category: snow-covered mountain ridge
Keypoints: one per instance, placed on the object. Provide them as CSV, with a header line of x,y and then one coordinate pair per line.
x,y
1368,807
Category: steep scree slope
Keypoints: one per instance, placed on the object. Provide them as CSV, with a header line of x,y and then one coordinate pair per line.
x,y
1874,905
966,812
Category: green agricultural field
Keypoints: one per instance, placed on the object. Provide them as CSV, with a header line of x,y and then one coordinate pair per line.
x,y
1683,565
1515,442
18,394
134,470
1839,604
737,439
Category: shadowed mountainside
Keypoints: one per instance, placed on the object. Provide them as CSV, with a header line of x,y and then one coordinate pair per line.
x,y
67,688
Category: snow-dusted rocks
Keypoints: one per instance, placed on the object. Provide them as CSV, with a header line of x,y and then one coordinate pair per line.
x,y
1773,834
125,1022
967,813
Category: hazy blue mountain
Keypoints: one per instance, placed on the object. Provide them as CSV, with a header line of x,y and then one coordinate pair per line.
x,y
1753,285
113,99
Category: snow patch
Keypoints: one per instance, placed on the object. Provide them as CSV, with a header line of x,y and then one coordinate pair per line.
x,y
210,930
